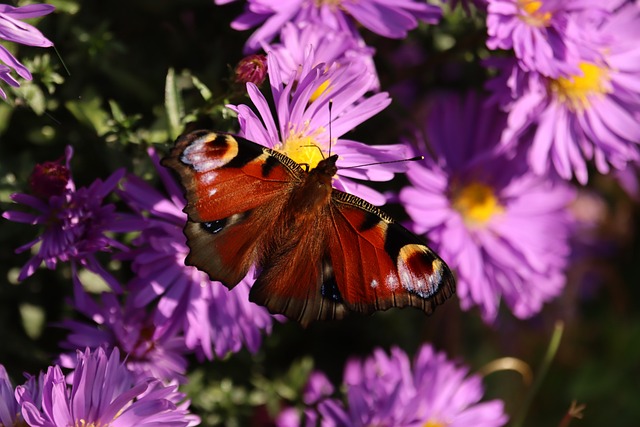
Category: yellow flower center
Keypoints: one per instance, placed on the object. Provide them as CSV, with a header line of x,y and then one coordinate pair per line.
x,y
477,203
532,14
574,91
433,423
303,147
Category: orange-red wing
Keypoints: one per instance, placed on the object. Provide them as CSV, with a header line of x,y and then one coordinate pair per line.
x,y
235,189
225,175
378,264
296,276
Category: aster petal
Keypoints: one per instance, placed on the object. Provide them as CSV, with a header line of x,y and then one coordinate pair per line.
x,y
19,32
263,109
9,59
618,120
387,21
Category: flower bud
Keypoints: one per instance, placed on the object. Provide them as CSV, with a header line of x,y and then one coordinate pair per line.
x,y
49,179
252,68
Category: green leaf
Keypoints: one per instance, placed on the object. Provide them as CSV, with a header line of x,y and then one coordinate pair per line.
x,y
204,90
33,96
174,104
116,111
5,116
68,6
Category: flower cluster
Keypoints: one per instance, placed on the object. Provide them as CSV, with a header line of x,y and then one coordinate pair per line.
x,y
571,90
103,392
388,19
388,390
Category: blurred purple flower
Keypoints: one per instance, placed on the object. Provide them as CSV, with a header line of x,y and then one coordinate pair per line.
x,y
591,115
316,43
14,30
385,390
317,389
303,121
388,18
214,320
9,409
547,36
149,350
74,221
103,393
502,228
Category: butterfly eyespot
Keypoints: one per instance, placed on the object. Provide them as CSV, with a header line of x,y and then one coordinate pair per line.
x,y
214,227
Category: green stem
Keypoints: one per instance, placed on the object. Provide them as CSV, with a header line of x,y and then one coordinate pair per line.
x,y
519,418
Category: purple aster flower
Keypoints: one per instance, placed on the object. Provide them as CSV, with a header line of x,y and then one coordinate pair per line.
x,y
386,390
74,221
14,30
590,115
103,393
214,319
148,349
546,35
302,124
316,43
502,228
388,18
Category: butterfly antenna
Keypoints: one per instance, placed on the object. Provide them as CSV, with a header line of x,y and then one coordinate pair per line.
x,y
412,159
330,121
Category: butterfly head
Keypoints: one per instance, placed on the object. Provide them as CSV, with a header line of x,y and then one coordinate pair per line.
x,y
327,166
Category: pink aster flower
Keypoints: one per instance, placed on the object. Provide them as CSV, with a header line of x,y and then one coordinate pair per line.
x,y
103,393
213,319
504,230
388,18
592,115
14,30
547,36
387,390
74,222
302,123
315,43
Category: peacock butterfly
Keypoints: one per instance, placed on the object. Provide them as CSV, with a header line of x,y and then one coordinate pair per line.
x,y
320,252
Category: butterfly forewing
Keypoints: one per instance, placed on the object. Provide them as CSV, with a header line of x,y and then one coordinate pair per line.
x,y
225,175
234,192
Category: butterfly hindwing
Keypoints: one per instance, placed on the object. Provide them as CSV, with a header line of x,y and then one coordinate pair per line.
x,y
234,189
292,278
378,264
